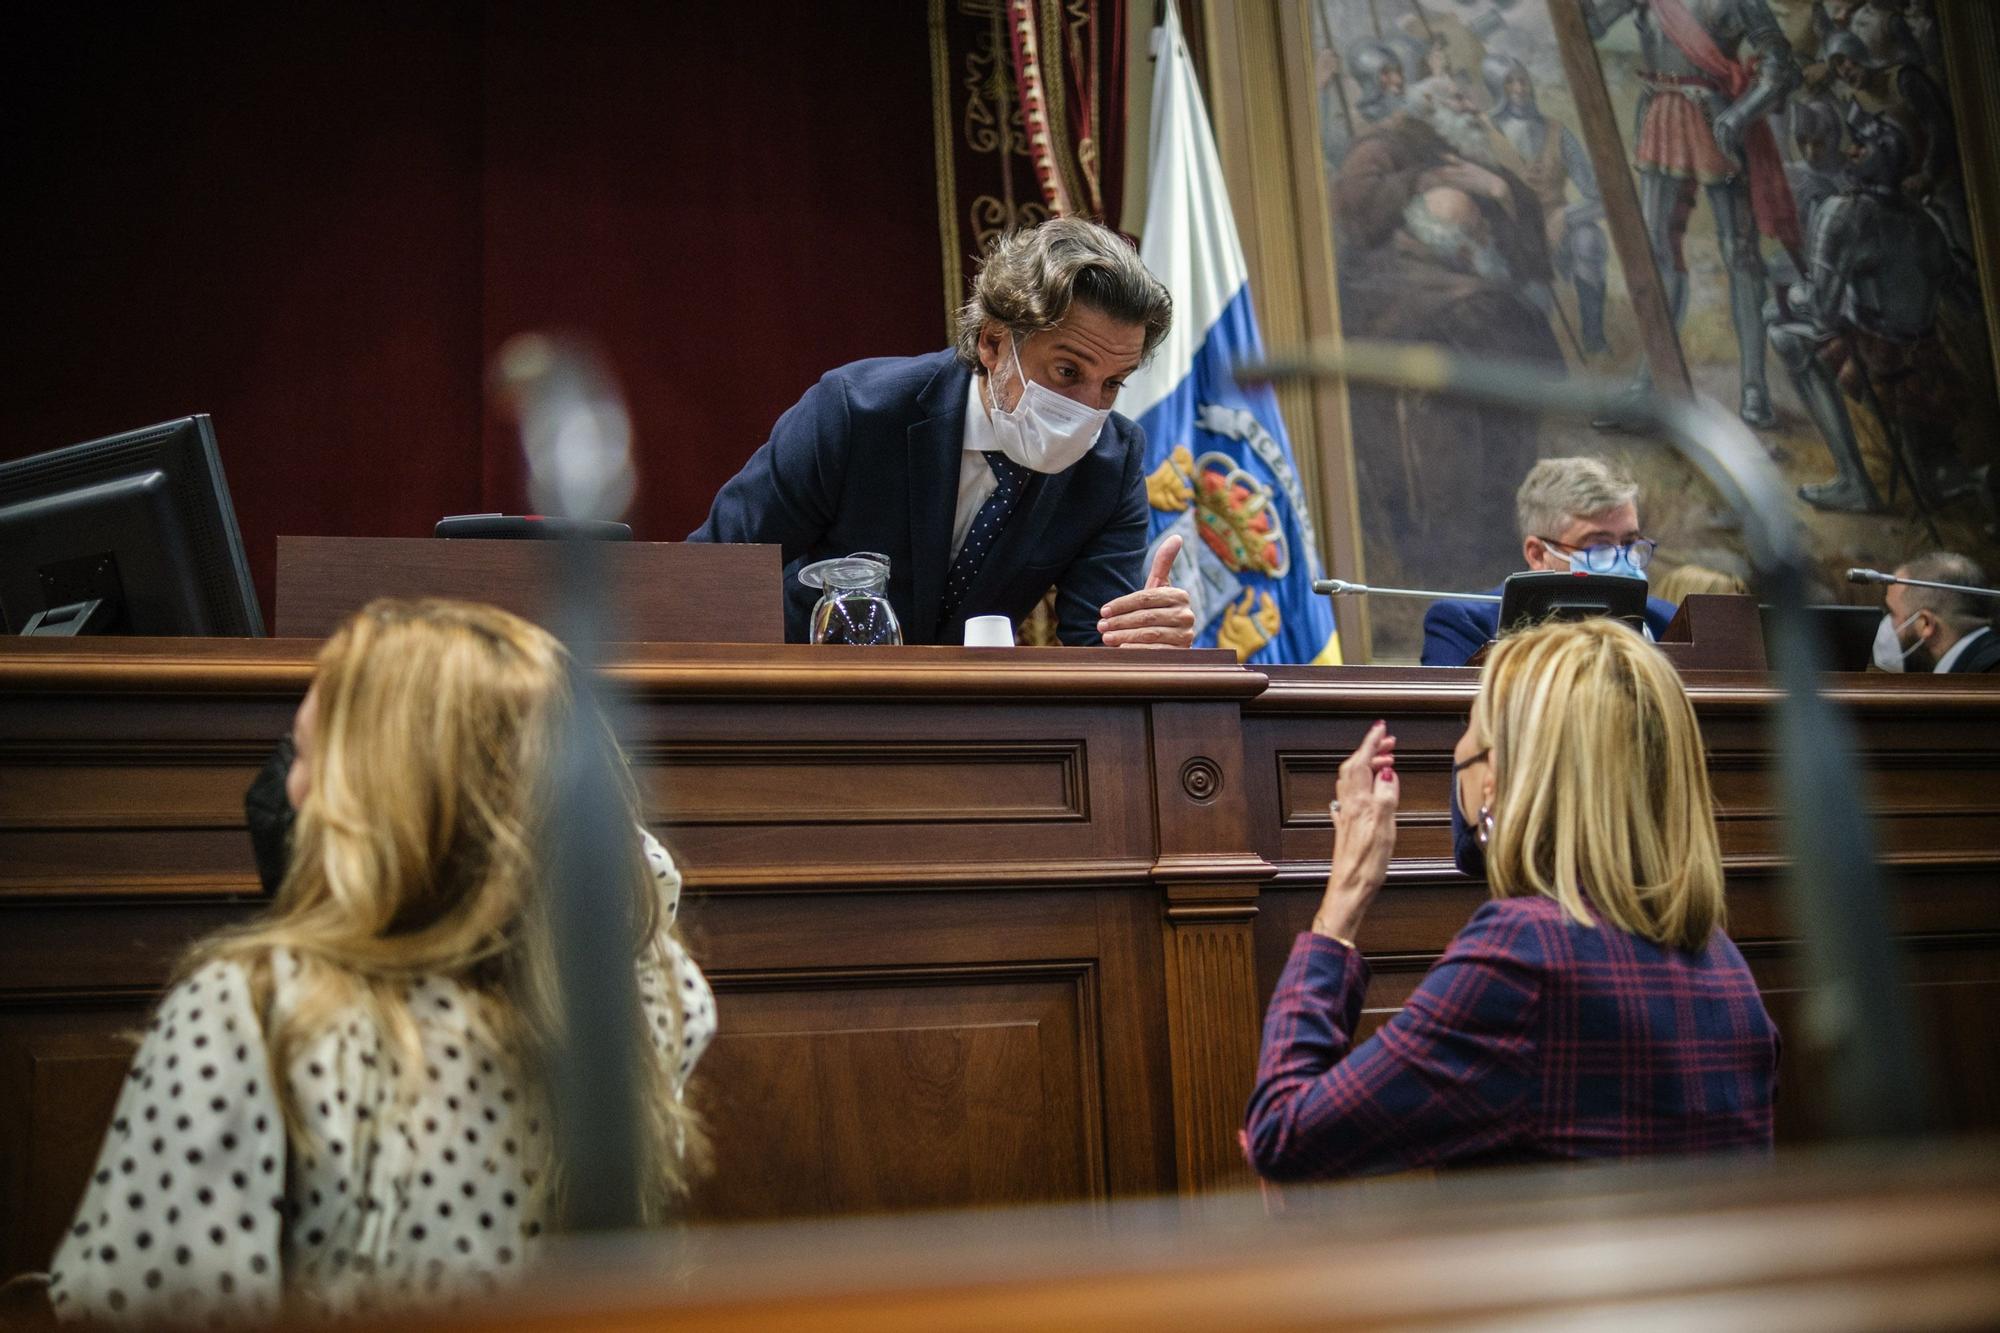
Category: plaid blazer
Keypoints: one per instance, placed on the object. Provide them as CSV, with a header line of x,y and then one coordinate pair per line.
x,y
1534,1038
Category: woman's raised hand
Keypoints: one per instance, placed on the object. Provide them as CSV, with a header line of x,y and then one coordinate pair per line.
x,y
1364,833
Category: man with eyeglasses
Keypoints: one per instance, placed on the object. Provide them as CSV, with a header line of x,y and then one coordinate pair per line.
x,y
1575,513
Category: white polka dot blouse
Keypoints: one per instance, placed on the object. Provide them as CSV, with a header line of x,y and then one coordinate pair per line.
x,y
197,1212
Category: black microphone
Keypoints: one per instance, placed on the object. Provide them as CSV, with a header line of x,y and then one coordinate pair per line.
x,y
1877,576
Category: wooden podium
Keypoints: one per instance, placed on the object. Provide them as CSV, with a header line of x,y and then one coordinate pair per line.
x,y
660,592
1715,633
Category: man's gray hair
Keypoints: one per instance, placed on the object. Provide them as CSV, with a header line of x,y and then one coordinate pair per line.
x,y
1961,611
1559,489
1029,279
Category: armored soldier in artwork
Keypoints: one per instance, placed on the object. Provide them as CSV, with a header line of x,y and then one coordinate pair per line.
x,y
1865,320
1379,71
1881,26
1712,71
1905,94
1550,160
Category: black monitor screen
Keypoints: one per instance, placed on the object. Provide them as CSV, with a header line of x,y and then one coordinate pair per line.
x,y
1846,633
1531,597
140,523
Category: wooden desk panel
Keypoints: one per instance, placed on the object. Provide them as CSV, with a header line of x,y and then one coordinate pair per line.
x,y
985,927
861,793
928,885
666,592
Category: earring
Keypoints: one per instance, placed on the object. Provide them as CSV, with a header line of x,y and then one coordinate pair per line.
x,y
1484,829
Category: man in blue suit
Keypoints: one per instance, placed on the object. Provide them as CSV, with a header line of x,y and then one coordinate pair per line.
x,y
1575,513
989,472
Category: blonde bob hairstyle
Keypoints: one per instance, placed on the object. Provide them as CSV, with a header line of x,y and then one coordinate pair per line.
x,y
415,854
1601,798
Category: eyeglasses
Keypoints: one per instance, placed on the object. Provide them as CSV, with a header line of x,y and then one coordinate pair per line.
x,y
1602,559
1464,764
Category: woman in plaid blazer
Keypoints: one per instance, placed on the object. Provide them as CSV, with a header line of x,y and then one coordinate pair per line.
x,y
1594,1007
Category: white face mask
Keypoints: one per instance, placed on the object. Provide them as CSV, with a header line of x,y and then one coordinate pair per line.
x,y
1890,654
1045,432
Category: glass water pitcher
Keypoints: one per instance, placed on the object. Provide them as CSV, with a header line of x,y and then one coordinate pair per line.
x,y
853,604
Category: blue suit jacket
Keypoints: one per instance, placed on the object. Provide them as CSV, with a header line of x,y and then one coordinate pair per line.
x,y
1454,631
868,460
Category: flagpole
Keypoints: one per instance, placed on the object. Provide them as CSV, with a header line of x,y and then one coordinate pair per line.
x,y
1327,39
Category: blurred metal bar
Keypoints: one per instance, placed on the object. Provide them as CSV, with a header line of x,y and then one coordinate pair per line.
x,y
1858,1013
577,438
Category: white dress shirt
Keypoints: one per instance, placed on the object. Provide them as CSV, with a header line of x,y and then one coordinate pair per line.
x,y
1945,663
976,482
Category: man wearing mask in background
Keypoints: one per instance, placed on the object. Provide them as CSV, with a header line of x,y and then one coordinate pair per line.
x,y
1574,513
991,471
1929,629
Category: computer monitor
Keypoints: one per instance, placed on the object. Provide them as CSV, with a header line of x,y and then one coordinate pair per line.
x,y
1846,633
1530,597
131,534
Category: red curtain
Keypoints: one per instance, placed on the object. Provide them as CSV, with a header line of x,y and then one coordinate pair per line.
x,y
317,222
1030,112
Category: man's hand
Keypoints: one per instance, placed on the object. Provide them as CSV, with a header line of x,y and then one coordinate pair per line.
x,y
1156,616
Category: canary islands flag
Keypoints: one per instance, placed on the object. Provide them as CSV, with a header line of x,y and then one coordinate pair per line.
x,y
1219,467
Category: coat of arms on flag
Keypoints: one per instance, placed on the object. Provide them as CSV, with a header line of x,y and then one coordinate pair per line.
x,y
1220,471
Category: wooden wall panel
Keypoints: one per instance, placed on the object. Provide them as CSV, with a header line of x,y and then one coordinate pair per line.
x,y
1955,986
60,1074
887,1089
1029,1020
853,793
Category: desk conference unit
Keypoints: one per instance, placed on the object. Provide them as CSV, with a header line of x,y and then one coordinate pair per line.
x,y
984,927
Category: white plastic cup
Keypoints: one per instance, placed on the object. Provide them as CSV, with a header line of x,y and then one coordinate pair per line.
x,y
989,632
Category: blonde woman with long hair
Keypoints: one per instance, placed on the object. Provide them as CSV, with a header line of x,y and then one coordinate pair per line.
x,y
337,1106
1594,1007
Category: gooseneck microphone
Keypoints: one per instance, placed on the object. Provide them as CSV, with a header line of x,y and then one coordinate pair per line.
x,y
1342,588
1877,576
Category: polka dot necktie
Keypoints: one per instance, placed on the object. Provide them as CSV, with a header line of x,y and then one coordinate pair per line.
x,y
986,525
